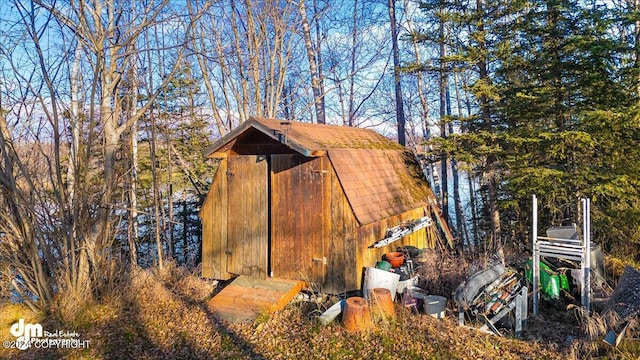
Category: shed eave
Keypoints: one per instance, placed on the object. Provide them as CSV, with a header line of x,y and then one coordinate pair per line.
x,y
275,134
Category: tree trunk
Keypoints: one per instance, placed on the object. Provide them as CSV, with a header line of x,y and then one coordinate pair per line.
x,y
185,230
133,198
242,97
496,230
424,105
72,172
316,81
156,195
133,188
490,171
472,180
396,74
444,91
457,201
474,212
634,4
354,42
460,218
318,52
170,239
153,144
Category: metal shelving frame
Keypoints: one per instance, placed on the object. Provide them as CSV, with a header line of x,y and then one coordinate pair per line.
x,y
570,249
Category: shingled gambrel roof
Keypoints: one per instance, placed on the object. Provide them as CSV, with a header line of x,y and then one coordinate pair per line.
x,y
306,138
380,177
380,183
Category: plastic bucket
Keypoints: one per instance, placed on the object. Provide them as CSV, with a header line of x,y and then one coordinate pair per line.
x,y
403,284
383,265
376,278
435,305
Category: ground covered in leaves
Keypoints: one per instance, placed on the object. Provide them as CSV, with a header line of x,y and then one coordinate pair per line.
x,y
162,315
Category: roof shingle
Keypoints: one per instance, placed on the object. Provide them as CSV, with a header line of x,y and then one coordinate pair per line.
x,y
379,183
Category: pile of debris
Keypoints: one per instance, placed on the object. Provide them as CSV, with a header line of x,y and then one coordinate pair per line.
x,y
491,294
397,273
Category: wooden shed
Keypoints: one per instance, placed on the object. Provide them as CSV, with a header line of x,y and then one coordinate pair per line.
x,y
305,201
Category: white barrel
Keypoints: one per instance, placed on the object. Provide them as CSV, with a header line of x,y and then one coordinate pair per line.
x,y
376,278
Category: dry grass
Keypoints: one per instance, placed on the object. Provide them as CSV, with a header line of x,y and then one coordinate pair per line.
x,y
10,314
440,274
161,315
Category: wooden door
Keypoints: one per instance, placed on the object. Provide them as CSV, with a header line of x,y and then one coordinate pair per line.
x,y
298,249
247,218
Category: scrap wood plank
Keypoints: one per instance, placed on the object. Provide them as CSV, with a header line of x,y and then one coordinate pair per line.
x,y
246,298
442,224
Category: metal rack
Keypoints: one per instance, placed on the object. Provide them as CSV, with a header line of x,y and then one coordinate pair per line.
x,y
575,248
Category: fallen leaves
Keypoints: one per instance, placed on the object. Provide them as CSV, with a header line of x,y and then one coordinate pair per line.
x,y
162,316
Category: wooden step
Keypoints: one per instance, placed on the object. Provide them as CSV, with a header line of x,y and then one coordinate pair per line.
x,y
246,298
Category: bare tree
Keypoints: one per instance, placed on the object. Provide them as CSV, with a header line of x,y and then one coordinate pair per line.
x,y
243,50
39,227
444,113
396,73
356,46
65,192
313,52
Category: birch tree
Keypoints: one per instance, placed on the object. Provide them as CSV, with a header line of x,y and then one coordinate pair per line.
x,y
315,66
396,73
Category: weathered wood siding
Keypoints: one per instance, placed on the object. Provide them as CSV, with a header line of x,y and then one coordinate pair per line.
x,y
314,233
294,211
297,237
313,229
247,218
214,227
341,230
